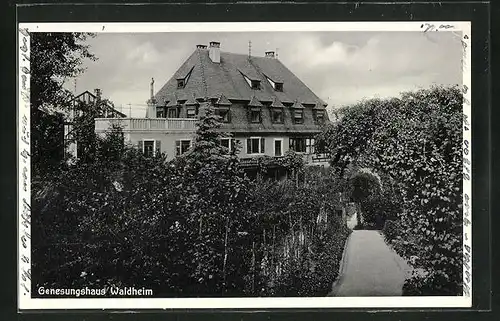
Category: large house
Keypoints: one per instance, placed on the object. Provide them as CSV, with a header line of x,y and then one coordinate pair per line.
x,y
261,103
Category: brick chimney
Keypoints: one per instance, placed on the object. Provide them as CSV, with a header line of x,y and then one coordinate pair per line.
x,y
214,51
201,46
269,54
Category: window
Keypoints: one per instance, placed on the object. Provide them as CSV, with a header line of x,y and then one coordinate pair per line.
x,y
191,113
182,146
278,86
319,116
255,84
228,143
180,83
255,115
277,115
255,145
298,116
224,114
148,148
310,145
172,113
298,144
159,112
278,147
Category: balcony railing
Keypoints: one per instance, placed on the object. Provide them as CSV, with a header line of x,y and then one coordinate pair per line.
x,y
146,124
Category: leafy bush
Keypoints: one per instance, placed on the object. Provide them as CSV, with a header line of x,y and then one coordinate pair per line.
x,y
391,230
194,226
299,240
416,141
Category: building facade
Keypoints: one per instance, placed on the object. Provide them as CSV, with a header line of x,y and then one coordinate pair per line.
x,y
261,103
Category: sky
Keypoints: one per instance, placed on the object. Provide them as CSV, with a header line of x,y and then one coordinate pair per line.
x,y
341,67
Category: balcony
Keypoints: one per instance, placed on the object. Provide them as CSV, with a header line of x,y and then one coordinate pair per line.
x,y
309,159
147,124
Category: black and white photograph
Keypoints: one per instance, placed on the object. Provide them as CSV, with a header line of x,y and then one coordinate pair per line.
x,y
244,165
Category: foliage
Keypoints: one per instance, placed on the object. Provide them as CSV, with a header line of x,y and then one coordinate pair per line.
x,y
416,142
391,230
193,226
54,58
300,239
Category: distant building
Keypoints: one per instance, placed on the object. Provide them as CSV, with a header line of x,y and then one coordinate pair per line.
x,y
261,103
78,104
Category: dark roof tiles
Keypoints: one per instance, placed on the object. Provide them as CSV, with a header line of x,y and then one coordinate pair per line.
x,y
208,79
223,101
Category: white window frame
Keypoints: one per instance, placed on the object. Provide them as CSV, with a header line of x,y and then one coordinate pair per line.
x,y
182,140
144,145
260,147
310,145
230,139
274,147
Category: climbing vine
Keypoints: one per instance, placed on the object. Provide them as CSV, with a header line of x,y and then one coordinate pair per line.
x,y
415,141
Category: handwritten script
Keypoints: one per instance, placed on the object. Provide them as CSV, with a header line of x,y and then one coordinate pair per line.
x,y
24,164
467,177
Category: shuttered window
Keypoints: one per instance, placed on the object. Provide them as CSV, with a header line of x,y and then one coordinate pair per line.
x,y
298,116
319,116
158,147
256,145
191,113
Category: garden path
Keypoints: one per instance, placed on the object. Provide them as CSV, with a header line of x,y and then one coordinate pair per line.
x,y
370,268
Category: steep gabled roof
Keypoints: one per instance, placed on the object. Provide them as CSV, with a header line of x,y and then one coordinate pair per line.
x,y
296,104
210,80
276,103
191,101
254,102
171,100
107,106
223,101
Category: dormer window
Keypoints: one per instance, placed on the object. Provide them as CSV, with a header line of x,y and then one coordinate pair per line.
x,y
255,84
180,83
277,115
191,112
224,114
160,113
319,116
172,112
255,115
298,116
277,85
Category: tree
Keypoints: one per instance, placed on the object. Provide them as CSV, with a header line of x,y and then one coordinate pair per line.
x,y
414,141
55,57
